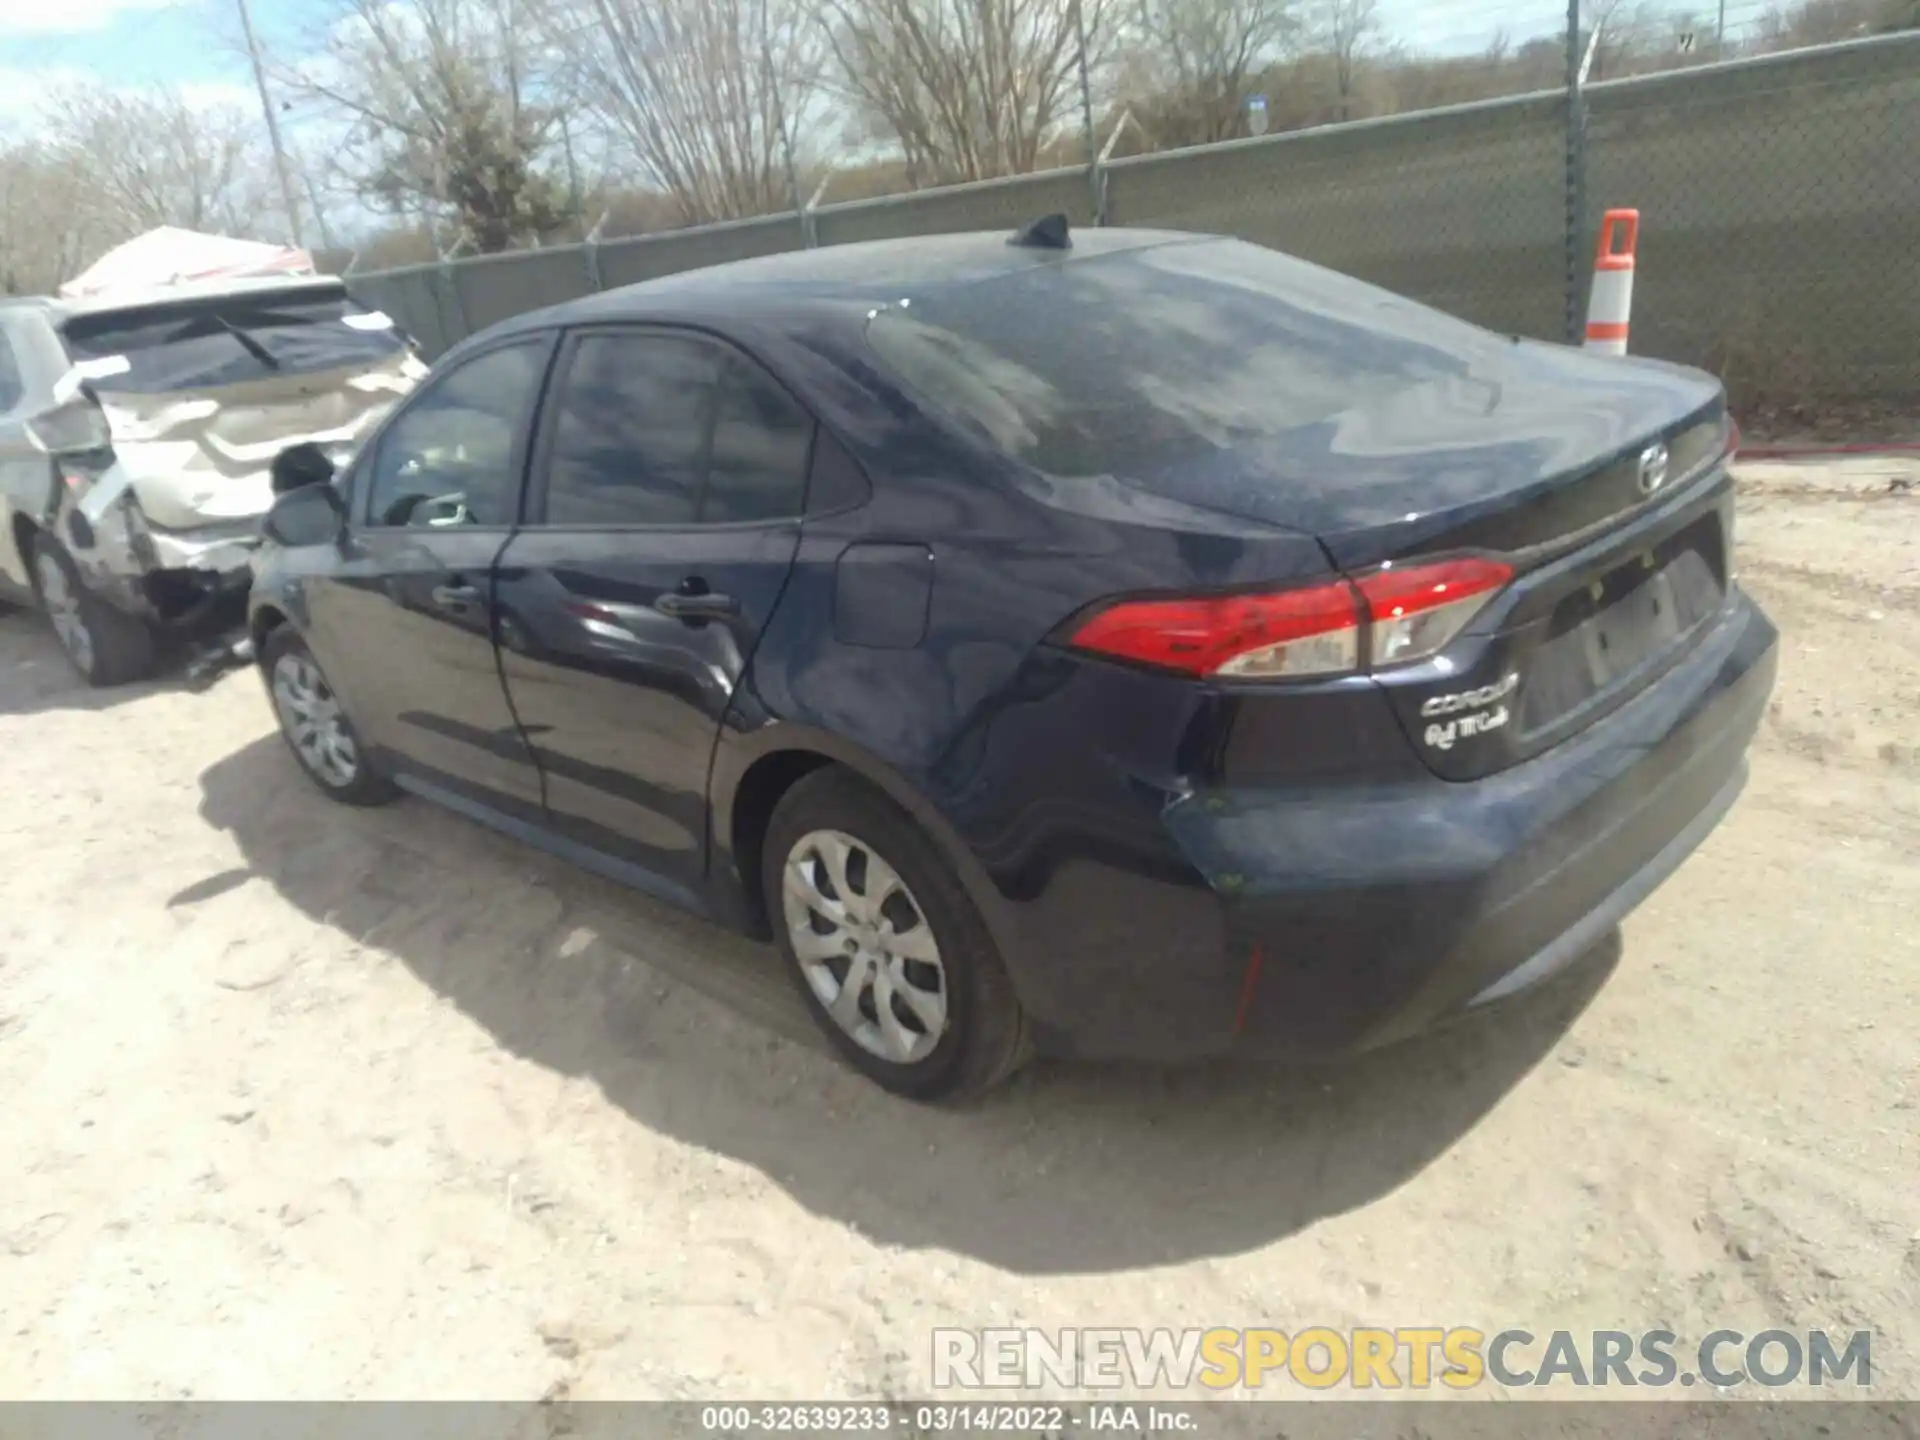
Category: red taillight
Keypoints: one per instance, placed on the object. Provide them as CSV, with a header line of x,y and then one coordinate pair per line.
x,y
1233,634
1416,610
1392,615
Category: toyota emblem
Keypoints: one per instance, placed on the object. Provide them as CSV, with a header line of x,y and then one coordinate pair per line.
x,y
1653,468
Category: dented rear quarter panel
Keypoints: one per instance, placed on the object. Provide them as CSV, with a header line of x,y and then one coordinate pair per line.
x,y
203,457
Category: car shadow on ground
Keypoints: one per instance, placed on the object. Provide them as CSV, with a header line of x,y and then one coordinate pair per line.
x,y
1075,1168
35,676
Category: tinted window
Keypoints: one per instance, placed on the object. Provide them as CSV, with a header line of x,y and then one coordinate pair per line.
x,y
1139,363
448,457
630,431
666,430
190,345
760,441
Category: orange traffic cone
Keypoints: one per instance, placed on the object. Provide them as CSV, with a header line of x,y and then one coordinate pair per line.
x,y
1611,299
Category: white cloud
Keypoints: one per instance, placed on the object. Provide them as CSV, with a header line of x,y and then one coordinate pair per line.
x,y
67,17
24,92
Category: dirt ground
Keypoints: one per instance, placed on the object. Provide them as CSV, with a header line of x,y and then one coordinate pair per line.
x,y
308,1102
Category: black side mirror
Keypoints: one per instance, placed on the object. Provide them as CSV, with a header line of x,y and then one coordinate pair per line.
x,y
311,515
298,465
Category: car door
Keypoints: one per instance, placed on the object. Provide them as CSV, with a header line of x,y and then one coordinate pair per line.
x,y
663,514
404,623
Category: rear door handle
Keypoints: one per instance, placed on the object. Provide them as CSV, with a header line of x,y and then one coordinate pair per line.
x,y
708,606
457,598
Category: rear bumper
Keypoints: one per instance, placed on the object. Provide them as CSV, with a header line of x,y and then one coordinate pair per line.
x,y
161,576
1326,921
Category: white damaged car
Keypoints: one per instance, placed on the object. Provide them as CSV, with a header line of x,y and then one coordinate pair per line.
x,y
137,434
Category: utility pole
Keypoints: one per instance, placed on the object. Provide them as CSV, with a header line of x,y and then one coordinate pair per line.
x,y
273,128
1720,33
1086,106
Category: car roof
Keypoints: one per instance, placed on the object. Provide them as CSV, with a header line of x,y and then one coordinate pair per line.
x,y
837,276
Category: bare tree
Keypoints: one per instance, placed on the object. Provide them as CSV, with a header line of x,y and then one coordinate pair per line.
x,y
51,219
450,118
968,88
1202,59
705,94
1345,28
1820,22
154,159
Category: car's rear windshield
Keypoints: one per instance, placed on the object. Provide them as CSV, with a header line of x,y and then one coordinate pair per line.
x,y
1127,362
226,340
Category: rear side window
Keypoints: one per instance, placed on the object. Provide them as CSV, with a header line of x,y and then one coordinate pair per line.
x,y
630,431
1140,363
227,340
760,442
654,429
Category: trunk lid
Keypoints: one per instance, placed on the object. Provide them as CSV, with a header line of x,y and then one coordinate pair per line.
x,y
1536,446
1573,638
201,392
1223,378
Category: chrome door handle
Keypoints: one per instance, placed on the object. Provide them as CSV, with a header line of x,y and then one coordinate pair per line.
x,y
683,606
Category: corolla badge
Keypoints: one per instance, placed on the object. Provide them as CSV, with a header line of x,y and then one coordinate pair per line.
x,y
1653,468
1471,712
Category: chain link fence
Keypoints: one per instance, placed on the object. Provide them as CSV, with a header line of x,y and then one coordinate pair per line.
x,y
1779,200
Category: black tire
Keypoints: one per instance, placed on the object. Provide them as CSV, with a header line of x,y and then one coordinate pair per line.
x,y
111,647
364,785
985,1039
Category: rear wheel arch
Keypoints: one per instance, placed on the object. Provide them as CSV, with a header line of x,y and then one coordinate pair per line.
x,y
755,796
789,756
263,622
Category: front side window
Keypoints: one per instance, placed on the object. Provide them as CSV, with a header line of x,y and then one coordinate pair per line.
x,y
448,458
653,429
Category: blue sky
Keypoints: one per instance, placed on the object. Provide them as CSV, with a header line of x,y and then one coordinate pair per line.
x,y
125,42
46,45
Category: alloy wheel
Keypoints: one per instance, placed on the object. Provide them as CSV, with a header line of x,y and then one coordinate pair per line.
x,y
61,601
311,715
864,946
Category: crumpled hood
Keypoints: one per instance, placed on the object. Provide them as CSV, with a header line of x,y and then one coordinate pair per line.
x,y
203,457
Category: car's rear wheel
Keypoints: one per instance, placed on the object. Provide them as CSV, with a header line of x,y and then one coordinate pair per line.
x,y
315,724
106,646
884,945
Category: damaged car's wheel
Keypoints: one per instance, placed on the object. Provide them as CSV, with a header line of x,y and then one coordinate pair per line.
x,y
315,723
105,645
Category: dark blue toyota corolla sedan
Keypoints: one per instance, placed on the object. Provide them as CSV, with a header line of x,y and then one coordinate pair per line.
x,y
1130,643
